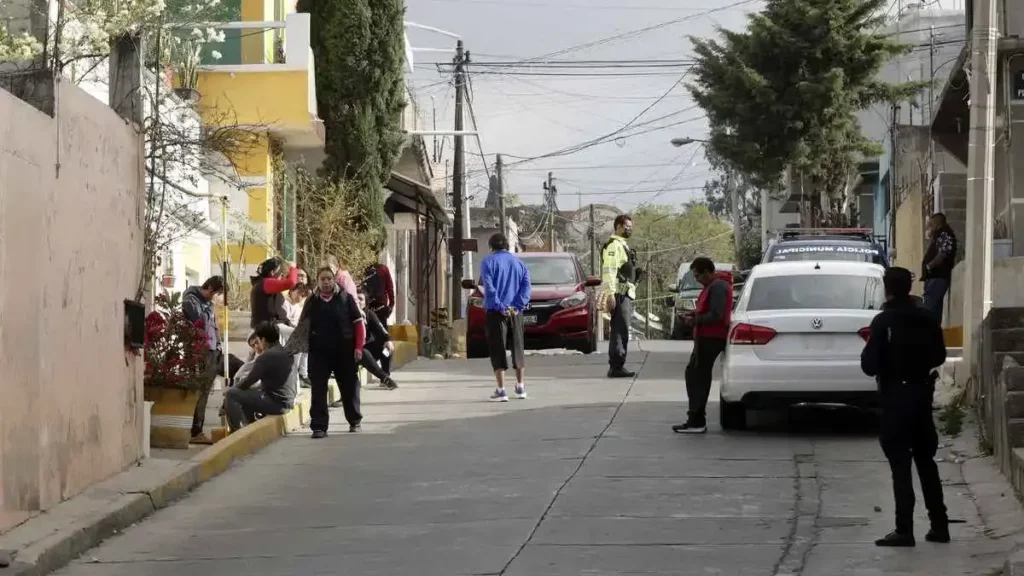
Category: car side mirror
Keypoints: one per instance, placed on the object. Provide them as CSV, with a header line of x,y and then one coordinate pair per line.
x,y
468,284
592,281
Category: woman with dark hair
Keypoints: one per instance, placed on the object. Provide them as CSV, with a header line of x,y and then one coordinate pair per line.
x,y
267,297
378,346
332,330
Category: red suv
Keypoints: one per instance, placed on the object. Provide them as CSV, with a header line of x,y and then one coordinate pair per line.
x,y
562,312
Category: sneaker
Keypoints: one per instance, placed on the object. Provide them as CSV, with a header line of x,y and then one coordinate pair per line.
x,y
938,536
304,382
690,428
352,428
500,395
318,434
389,384
201,439
336,404
896,540
620,373
520,392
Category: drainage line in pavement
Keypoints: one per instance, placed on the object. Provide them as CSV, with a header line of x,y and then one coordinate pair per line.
x,y
583,461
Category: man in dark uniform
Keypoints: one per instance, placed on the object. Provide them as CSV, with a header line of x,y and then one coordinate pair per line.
x,y
904,347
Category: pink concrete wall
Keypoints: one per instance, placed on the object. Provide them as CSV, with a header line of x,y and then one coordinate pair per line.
x,y
70,253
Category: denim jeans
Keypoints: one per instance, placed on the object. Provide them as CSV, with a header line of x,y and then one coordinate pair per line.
x,y
934,296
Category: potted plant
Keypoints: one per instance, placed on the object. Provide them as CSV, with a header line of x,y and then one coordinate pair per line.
x,y
186,58
175,354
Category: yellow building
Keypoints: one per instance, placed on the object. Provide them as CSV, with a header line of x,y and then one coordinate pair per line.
x,y
264,83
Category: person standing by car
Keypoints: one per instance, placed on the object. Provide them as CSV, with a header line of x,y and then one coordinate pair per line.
x,y
710,320
619,276
904,347
505,282
937,268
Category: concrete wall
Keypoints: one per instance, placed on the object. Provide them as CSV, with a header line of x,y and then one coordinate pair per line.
x,y
1007,288
909,247
70,253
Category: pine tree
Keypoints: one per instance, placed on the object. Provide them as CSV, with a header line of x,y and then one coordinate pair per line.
x,y
359,46
785,92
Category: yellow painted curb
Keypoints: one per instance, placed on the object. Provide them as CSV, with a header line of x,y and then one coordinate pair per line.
x,y
404,333
405,353
954,336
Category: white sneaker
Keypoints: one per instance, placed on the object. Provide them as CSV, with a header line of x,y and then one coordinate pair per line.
x,y
520,392
500,395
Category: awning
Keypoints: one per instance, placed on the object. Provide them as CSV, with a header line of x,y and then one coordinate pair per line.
x,y
951,121
408,195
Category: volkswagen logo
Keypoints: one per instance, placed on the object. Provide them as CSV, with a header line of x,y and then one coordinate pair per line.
x,y
816,323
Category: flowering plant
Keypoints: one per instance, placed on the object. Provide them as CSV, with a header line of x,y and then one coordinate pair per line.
x,y
175,349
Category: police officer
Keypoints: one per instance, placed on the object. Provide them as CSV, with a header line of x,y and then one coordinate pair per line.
x,y
904,347
619,276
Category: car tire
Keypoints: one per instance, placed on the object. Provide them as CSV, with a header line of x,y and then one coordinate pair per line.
x,y
732,415
477,350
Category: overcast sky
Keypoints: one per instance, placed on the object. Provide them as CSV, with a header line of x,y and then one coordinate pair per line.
x,y
525,115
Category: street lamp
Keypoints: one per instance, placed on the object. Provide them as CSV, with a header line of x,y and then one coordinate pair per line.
x,y
734,192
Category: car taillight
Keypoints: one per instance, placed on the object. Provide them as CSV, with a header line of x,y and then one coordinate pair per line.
x,y
749,334
476,302
864,333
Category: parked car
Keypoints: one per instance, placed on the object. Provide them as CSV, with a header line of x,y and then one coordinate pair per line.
x,y
684,301
828,244
562,312
796,338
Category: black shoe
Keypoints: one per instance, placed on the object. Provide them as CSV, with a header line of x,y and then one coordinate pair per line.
x,y
337,404
355,428
897,540
690,428
318,434
620,373
938,535
389,384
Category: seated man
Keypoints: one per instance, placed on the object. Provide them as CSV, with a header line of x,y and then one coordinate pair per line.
x,y
274,369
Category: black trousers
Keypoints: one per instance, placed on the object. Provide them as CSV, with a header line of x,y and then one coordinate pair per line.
x,y
909,438
699,375
242,406
214,367
369,361
505,332
342,364
383,314
618,336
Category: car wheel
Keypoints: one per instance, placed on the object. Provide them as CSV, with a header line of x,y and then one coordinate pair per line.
x,y
477,350
732,415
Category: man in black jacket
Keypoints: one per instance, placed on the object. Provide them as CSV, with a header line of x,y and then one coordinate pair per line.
x,y
937,268
378,347
902,351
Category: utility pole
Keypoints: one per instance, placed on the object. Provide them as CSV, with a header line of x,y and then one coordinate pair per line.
x,y
737,233
894,131
499,171
549,187
458,185
592,233
650,297
980,179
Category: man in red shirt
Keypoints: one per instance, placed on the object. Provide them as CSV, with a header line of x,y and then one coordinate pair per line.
x,y
710,323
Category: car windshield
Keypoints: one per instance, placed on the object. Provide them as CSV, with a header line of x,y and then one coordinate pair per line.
x,y
689,282
805,251
551,271
816,292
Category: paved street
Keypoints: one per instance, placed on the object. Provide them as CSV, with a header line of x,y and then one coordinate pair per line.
x,y
583,478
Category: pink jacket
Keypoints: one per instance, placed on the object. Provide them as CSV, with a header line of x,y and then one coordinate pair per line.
x,y
344,279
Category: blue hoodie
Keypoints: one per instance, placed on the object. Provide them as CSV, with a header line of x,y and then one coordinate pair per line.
x,y
505,281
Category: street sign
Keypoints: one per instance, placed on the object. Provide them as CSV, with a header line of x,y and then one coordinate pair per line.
x,y
1018,85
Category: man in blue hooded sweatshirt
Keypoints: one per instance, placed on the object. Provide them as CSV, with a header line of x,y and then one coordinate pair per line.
x,y
505,282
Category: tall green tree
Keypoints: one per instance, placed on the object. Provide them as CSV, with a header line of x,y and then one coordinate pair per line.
x,y
359,47
784,92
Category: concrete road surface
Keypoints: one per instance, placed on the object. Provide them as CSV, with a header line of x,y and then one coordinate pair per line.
x,y
584,478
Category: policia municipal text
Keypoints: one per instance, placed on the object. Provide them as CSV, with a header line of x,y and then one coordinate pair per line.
x,y
619,276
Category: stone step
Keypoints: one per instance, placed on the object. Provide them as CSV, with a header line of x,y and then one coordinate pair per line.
x,y
1014,378
1015,432
1000,359
1002,318
1015,407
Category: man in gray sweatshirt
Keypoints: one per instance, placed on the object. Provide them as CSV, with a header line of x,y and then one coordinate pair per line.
x,y
274,370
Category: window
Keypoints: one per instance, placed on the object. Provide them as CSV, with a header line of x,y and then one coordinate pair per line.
x,y
689,282
816,292
551,271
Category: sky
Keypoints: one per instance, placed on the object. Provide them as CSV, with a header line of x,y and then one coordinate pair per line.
x,y
524,112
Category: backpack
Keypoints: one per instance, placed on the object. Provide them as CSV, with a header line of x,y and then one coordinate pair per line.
x,y
373,285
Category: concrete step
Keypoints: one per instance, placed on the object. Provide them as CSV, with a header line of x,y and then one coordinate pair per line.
x,y
1002,318
1014,378
1015,432
1008,340
1015,407
1000,359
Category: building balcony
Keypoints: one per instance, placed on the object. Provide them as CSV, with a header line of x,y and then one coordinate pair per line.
x,y
264,79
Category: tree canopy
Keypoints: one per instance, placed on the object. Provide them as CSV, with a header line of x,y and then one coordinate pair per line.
x,y
785,91
359,47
